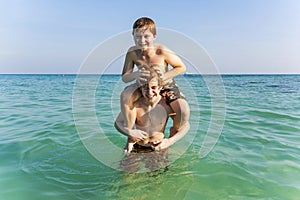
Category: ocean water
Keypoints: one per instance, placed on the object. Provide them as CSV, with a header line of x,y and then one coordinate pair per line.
x,y
48,151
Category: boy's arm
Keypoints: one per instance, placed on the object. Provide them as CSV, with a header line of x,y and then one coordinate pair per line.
x,y
178,66
135,134
165,143
127,74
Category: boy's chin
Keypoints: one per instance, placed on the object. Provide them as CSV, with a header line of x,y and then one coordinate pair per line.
x,y
144,48
150,99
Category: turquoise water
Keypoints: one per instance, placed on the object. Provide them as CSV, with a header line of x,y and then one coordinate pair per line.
x,y
256,157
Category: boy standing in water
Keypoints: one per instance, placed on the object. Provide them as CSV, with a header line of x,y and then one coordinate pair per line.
x,y
151,113
146,54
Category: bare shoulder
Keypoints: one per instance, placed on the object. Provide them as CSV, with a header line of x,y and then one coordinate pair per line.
x,y
162,49
131,50
131,54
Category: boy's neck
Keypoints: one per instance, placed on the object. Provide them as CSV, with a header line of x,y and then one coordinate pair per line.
x,y
148,51
154,103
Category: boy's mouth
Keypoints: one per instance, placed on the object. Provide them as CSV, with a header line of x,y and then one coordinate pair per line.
x,y
150,97
143,45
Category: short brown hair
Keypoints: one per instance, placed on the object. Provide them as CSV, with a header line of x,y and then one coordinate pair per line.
x,y
143,24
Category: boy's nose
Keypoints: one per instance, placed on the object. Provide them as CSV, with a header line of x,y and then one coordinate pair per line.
x,y
150,92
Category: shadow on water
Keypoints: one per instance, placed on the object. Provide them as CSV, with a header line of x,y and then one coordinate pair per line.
x,y
71,173
144,159
173,181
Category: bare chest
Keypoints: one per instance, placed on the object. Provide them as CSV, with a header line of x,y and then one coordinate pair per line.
x,y
152,119
155,59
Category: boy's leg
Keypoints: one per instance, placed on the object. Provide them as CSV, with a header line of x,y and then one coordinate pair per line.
x,y
128,97
182,110
177,101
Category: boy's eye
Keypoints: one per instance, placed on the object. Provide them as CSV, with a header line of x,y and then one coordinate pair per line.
x,y
145,87
153,87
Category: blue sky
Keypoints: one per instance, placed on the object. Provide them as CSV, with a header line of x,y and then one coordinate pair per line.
x,y
250,36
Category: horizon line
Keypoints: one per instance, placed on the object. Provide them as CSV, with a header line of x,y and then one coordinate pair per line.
x,y
186,74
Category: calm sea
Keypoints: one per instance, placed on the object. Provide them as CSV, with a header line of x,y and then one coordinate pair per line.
x,y
42,156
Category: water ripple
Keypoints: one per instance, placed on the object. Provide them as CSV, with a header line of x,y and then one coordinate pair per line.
x,y
256,157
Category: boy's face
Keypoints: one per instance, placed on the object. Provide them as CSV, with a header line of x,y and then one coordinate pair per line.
x,y
144,39
151,90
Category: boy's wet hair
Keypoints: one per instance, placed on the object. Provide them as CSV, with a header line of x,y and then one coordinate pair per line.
x,y
143,24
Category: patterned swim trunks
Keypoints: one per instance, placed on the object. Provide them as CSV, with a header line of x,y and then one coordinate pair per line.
x,y
171,92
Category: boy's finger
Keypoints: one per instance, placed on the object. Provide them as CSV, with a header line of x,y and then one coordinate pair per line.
x,y
142,80
144,72
144,76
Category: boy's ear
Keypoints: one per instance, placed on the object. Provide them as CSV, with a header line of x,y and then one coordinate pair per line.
x,y
154,36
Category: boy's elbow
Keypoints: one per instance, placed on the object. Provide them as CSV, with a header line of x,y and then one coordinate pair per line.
x,y
116,125
183,69
188,126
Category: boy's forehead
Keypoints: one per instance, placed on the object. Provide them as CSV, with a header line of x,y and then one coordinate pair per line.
x,y
141,30
152,82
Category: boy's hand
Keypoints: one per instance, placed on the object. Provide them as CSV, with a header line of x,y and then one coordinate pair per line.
x,y
143,74
157,137
137,135
165,143
160,73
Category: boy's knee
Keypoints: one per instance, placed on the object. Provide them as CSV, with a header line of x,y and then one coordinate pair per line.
x,y
182,110
126,93
185,113
181,106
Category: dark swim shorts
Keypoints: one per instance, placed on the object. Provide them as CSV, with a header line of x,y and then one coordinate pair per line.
x,y
171,92
141,149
